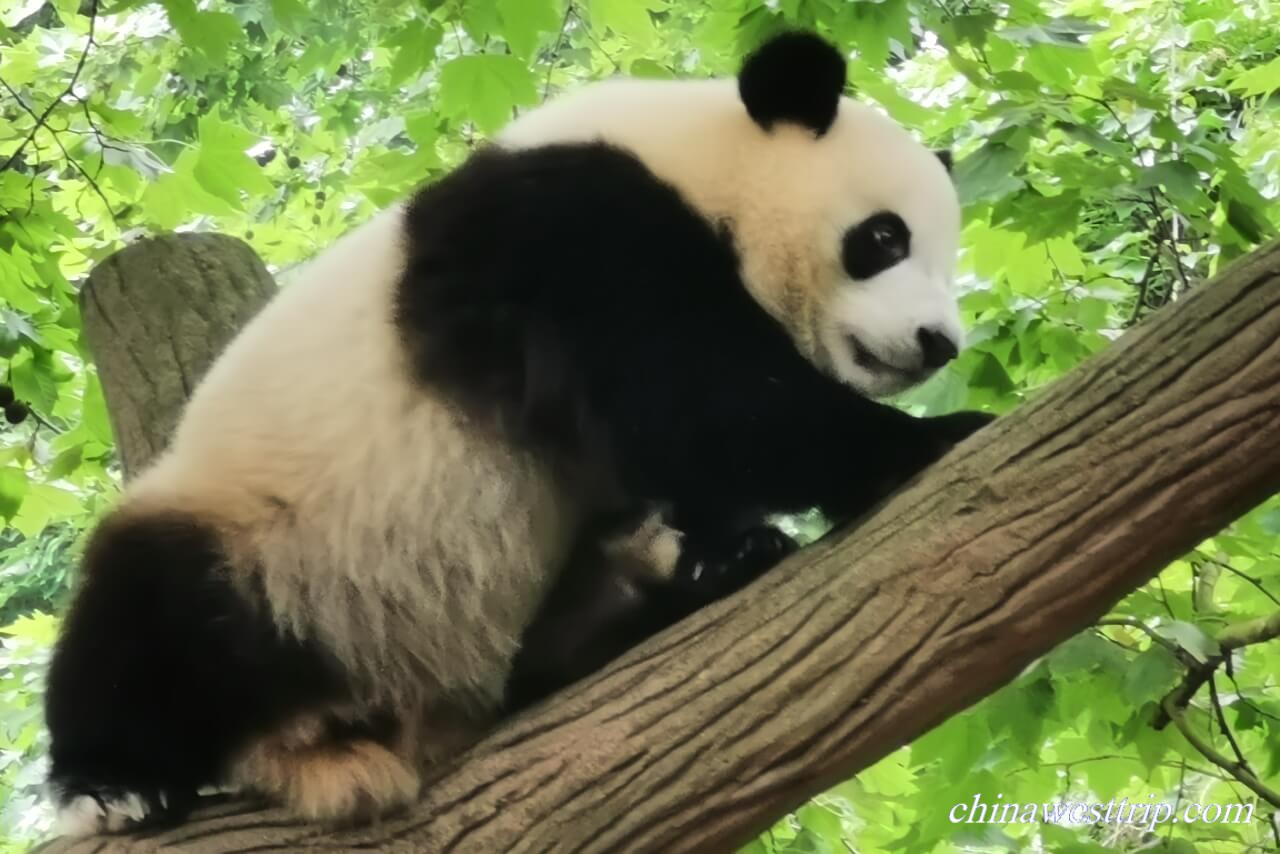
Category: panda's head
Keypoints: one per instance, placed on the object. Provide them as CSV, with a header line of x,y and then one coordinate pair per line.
x,y
845,225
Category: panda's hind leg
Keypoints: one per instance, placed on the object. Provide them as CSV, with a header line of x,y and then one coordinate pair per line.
x,y
331,769
629,579
165,667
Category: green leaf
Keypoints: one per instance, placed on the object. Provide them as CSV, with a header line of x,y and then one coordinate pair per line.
x,y
66,462
1095,140
876,25
946,391
1152,746
480,19
44,503
223,167
94,413
1181,180
628,18
955,744
973,28
37,627
1059,66
1251,225
210,33
821,822
1262,80
33,381
650,70
988,173
1117,89
1151,674
1191,638
1018,81
886,94
15,11
1058,31
384,177
992,376
17,281
423,127
485,89
1084,652
13,489
291,15
524,20
415,49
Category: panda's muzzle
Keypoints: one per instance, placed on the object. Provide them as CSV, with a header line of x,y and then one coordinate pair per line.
x,y
936,349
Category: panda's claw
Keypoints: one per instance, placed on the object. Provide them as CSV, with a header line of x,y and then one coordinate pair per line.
x,y
719,568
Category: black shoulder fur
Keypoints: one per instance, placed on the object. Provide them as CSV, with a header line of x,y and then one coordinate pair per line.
x,y
566,290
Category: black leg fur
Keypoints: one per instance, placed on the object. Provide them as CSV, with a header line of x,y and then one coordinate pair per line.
x,y
163,669
601,607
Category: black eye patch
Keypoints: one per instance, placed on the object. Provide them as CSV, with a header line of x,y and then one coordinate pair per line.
x,y
874,245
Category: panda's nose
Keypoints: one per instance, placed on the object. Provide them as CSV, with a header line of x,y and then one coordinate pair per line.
x,y
937,348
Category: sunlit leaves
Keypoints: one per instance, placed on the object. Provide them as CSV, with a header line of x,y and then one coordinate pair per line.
x,y
524,22
415,49
876,28
988,173
486,89
1181,180
290,15
223,167
1261,80
14,486
629,18
1149,676
210,33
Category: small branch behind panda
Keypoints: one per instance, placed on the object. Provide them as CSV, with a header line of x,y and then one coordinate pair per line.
x,y
586,27
554,56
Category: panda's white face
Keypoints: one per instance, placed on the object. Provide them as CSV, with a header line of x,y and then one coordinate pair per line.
x,y
885,316
847,234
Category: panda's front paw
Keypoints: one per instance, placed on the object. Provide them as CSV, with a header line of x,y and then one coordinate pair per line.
x,y
958,426
719,568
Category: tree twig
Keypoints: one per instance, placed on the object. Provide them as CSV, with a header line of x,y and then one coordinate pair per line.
x,y
1132,622
1143,285
42,118
1231,638
1244,577
1207,750
1216,702
555,50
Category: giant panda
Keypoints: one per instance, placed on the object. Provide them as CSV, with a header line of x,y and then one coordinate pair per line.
x,y
682,294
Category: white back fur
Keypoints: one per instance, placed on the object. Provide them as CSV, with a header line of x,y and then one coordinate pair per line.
x,y
413,544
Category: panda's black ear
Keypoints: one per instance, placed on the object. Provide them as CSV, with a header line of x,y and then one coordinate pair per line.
x,y
794,77
945,156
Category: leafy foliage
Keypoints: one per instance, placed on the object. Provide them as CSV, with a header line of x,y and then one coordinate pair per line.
x,y
1112,157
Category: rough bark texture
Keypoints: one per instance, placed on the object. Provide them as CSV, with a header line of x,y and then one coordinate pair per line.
x,y
1023,536
155,316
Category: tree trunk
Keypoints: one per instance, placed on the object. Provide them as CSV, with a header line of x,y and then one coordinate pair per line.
x,y
1023,536
155,316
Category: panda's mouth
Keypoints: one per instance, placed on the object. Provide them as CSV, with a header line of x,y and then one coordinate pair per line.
x,y
866,359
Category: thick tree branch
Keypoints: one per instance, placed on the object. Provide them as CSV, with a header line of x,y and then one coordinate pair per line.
x,y
1026,534
156,314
